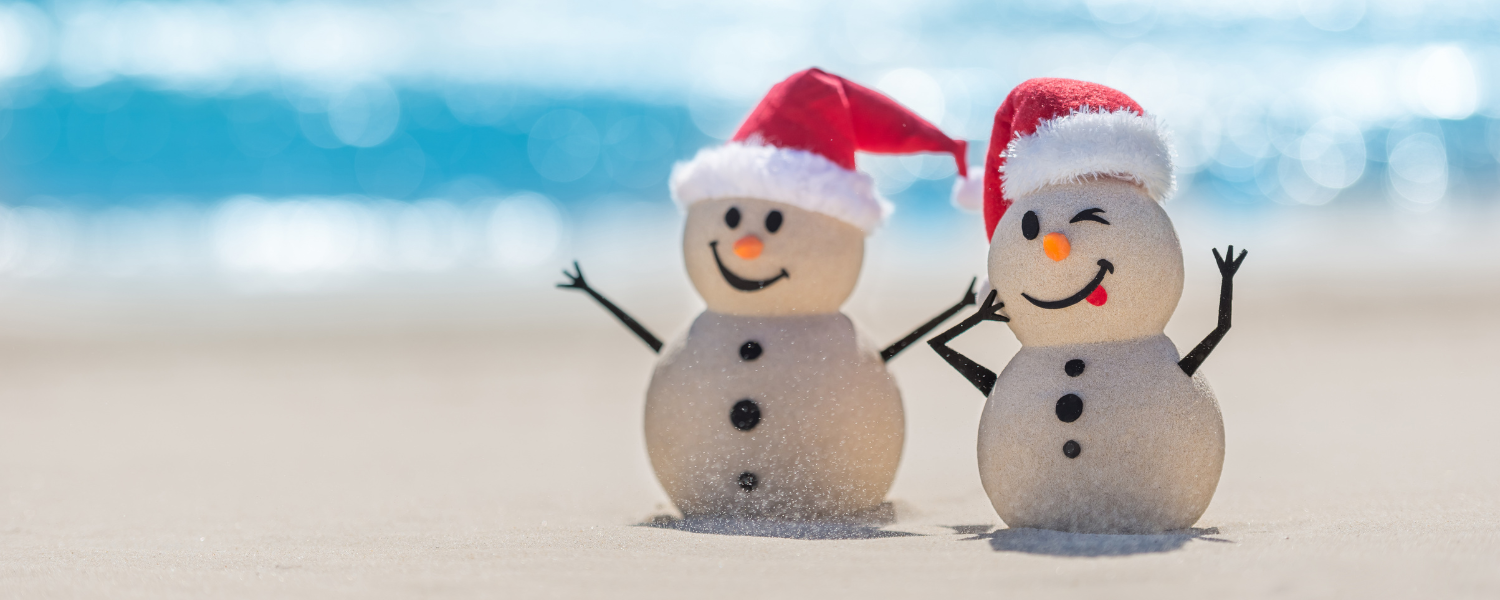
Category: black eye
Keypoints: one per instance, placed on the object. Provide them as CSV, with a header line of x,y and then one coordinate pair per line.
x,y
1091,214
773,221
1029,225
732,218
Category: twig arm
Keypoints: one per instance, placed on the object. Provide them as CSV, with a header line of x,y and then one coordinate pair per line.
x,y
576,281
911,338
1227,268
977,374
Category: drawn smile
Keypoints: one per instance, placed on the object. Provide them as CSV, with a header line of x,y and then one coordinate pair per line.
x,y
750,285
1104,266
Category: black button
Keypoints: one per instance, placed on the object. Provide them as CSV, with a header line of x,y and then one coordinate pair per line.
x,y
1073,368
748,481
1070,450
750,350
1069,408
745,415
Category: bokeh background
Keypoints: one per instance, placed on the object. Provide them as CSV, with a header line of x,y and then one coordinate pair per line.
x,y
278,315
172,165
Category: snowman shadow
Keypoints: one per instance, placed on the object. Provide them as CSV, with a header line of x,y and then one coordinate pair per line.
x,y
1085,545
861,526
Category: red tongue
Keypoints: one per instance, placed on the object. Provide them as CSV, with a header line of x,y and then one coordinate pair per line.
x,y
1098,297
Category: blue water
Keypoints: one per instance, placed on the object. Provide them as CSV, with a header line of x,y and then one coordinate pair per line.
x,y
123,144
119,143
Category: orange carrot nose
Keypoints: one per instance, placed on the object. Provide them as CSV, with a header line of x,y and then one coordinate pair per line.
x,y
1056,246
749,247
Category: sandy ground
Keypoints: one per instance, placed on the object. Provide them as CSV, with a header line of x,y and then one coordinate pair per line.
x,y
504,458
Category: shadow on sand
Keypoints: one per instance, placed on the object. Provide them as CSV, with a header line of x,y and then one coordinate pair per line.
x,y
863,526
1061,543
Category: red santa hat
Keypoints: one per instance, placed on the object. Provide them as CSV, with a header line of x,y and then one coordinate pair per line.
x,y
1052,131
797,147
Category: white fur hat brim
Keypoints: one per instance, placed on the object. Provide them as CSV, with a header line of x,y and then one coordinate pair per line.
x,y
799,178
1089,144
968,192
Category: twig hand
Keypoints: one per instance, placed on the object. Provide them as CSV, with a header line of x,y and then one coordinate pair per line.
x,y
1227,268
991,309
575,279
970,298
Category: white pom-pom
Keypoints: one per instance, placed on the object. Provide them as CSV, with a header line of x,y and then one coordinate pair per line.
x,y
968,192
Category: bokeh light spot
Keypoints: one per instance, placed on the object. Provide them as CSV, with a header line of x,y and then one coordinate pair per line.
x,y
391,170
1333,153
563,145
1332,15
916,90
1445,84
364,115
1418,168
525,230
638,152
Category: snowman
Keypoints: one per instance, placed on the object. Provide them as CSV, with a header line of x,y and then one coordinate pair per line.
x,y
1096,425
773,404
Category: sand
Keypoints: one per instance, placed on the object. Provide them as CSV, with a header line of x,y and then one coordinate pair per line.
x,y
311,450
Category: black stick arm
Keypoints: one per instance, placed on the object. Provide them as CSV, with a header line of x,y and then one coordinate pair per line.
x,y
911,338
1227,269
576,281
977,374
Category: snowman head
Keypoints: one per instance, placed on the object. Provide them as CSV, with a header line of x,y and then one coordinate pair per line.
x,y
1080,248
776,218
748,256
1093,261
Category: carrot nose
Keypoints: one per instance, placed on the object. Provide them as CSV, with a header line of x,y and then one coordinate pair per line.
x,y
748,247
1056,246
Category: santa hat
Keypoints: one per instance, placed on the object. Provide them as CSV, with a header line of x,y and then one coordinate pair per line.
x,y
1052,131
797,147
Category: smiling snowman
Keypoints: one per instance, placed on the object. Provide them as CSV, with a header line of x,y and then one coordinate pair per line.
x,y
773,404
1096,425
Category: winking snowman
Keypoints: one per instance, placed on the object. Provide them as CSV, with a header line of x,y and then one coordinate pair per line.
x,y
773,404
1096,425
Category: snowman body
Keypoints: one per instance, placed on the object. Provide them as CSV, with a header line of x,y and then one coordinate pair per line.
x,y
1122,440
1105,438
773,416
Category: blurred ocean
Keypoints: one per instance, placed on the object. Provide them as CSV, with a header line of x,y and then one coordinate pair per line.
x,y
299,147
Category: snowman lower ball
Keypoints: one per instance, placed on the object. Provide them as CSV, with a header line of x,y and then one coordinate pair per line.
x,y
772,404
1096,425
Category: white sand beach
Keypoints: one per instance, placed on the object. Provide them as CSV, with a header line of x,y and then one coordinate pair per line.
x,y
334,446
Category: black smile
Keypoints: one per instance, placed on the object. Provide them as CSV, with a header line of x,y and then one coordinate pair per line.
x,y
1104,266
742,284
